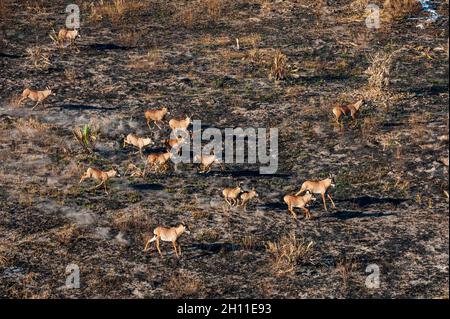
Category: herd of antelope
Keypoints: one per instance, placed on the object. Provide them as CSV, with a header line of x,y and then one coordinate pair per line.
x,y
158,162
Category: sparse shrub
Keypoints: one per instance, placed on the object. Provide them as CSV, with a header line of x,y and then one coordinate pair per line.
x,y
278,70
38,57
287,252
86,137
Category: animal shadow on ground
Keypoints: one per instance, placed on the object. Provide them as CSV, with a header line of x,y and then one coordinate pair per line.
x,y
365,201
209,249
252,173
346,214
83,107
148,187
107,46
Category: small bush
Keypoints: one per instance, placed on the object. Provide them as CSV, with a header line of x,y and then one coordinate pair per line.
x,y
287,252
278,70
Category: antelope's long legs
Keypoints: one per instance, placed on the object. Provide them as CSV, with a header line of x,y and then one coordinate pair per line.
x,y
35,105
157,247
329,196
324,202
175,248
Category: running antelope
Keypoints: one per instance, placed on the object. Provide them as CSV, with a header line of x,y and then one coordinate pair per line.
x,y
158,161
207,161
167,234
351,109
246,197
155,116
99,175
180,124
319,187
294,201
36,96
231,195
137,141
175,144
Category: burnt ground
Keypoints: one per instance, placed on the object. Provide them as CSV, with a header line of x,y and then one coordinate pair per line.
x,y
391,166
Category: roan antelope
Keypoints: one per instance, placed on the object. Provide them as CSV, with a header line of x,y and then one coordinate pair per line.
x,y
36,96
294,201
180,124
231,195
175,144
158,161
68,35
99,175
167,234
207,161
155,116
319,187
137,141
351,109
246,197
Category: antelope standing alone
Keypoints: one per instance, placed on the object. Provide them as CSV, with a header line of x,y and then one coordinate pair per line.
x,y
99,175
68,35
351,109
169,235
137,141
156,116
319,187
36,96
294,201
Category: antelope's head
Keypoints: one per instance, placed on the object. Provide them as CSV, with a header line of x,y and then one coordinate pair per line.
x,y
184,228
358,104
332,181
113,173
147,141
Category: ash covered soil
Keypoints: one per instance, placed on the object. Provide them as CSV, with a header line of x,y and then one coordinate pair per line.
x,y
391,166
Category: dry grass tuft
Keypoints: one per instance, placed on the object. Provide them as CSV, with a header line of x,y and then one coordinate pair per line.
x,y
67,233
183,284
278,70
287,252
379,75
136,219
31,126
115,10
38,57
200,12
14,100
394,10
129,38
249,242
153,60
